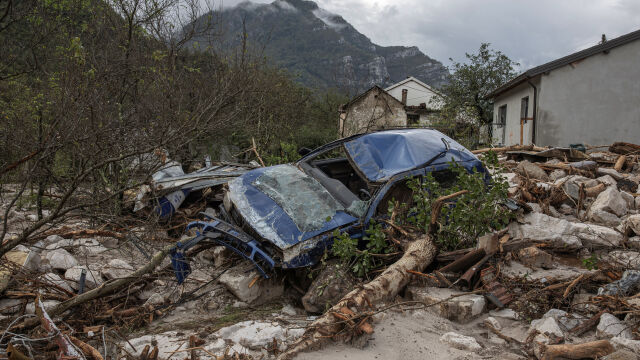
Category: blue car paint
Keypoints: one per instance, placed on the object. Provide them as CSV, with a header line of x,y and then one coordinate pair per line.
x,y
271,213
381,155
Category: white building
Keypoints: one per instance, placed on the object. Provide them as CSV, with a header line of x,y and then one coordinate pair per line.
x,y
589,97
421,100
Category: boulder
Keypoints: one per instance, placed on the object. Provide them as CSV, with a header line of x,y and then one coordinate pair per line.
x,y
621,343
583,302
531,170
460,341
60,259
563,235
610,326
516,270
565,320
611,201
623,259
547,326
256,335
571,185
55,279
621,355
607,180
634,242
534,257
631,201
48,305
238,278
117,269
557,174
92,279
332,283
603,217
631,224
461,309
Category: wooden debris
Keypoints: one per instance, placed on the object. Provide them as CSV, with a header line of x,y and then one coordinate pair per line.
x,y
589,350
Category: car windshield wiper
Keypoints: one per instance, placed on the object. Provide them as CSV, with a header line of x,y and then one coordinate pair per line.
x,y
438,156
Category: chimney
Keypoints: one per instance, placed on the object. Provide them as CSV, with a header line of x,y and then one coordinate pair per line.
x,y
404,96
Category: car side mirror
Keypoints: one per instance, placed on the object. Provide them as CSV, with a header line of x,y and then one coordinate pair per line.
x,y
303,151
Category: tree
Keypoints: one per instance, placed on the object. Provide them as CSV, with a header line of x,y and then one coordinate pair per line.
x,y
472,81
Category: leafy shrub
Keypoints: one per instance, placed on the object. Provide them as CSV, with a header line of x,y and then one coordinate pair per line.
x,y
362,261
467,216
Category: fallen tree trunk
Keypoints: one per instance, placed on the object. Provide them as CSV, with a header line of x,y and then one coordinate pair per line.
x,y
417,256
589,350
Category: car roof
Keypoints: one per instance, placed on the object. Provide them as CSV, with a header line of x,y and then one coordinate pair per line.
x,y
380,155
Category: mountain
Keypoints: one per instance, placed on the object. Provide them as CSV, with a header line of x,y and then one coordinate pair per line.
x,y
322,48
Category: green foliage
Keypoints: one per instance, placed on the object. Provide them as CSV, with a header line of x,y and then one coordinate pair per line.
x,y
591,263
288,153
467,216
472,81
362,261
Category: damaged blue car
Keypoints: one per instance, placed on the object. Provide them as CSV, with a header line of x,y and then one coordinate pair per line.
x,y
285,216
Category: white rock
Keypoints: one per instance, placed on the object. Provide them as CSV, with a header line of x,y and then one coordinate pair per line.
x,y
565,320
60,259
610,200
603,217
557,174
531,170
55,279
62,244
620,342
609,326
117,269
155,299
288,309
237,281
563,234
547,326
494,322
637,203
166,343
632,224
517,270
607,180
571,185
52,239
461,309
460,341
535,207
623,258
48,305
255,334
634,242
631,201
92,279
505,314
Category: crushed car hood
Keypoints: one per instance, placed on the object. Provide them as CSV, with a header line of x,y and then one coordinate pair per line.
x,y
286,206
379,156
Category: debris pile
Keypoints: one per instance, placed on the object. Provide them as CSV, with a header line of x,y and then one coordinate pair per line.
x,y
562,280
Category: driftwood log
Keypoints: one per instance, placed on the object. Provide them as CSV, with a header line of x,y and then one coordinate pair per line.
x,y
417,256
589,350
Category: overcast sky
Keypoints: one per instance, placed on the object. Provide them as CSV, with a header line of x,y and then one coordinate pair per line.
x,y
530,32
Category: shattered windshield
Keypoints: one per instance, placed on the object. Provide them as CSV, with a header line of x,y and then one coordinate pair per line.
x,y
304,199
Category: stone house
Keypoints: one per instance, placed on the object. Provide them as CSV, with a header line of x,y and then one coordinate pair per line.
x,y
372,110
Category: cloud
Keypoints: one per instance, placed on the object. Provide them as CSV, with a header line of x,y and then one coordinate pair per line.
x,y
531,33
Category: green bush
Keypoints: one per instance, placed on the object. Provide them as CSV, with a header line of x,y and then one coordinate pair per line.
x,y
362,261
467,216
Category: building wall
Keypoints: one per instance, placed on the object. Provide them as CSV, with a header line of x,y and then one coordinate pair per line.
x,y
375,110
416,94
596,101
512,99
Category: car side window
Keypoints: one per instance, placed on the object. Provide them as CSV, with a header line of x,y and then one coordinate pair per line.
x,y
403,195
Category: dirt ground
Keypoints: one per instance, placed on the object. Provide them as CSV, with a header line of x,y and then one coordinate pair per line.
x,y
416,334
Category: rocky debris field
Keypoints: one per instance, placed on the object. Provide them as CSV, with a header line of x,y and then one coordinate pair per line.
x,y
562,280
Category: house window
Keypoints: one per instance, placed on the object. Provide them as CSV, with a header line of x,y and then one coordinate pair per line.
x,y
413,119
502,115
524,107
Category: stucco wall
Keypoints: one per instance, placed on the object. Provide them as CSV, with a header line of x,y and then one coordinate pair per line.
x,y
416,94
375,110
596,101
512,99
